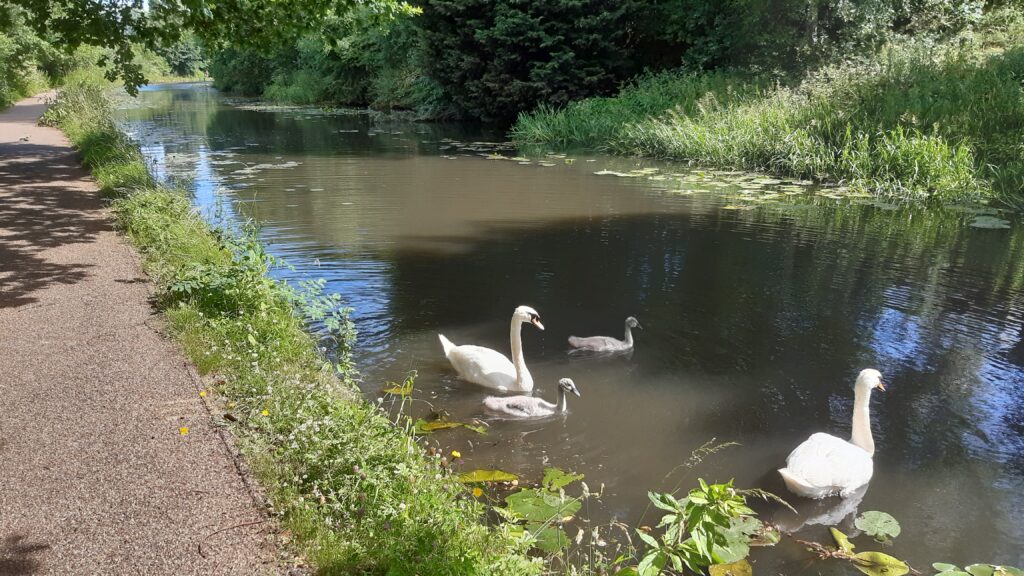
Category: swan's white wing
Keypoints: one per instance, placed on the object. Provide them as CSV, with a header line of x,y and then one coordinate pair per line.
x,y
483,366
829,464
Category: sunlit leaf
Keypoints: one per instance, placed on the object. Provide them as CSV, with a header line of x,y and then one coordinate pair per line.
x,y
555,479
540,505
628,571
842,541
879,564
422,426
880,525
486,476
738,568
980,570
1009,571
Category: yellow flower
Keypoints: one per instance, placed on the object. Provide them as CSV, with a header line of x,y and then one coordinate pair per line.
x,y
183,430
456,454
265,413
230,404
477,492
202,393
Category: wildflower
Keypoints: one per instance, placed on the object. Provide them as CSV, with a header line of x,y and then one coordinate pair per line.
x,y
265,413
183,430
477,492
202,393
456,454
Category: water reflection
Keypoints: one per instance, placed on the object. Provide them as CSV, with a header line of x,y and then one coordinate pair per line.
x,y
756,321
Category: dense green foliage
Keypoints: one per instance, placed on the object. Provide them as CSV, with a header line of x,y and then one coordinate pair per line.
x,y
359,493
496,58
27,62
916,121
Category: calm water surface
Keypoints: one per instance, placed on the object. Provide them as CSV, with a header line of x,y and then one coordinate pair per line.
x,y
756,321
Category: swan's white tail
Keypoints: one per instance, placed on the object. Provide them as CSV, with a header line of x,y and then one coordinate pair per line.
x,y
448,346
798,486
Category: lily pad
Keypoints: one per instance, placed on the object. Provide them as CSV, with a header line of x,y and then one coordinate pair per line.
x,y
1009,571
879,564
422,426
941,567
477,476
980,570
555,479
842,542
880,525
990,223
738,568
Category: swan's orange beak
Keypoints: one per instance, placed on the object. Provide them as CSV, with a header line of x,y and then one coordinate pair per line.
x,y
881,386
536,322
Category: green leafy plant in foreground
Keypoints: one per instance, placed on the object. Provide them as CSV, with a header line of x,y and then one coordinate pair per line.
x,y
711,526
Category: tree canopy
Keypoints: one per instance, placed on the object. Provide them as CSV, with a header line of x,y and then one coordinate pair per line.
x,y
123,25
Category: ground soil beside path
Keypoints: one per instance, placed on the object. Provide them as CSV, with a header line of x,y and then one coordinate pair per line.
x,y
94,475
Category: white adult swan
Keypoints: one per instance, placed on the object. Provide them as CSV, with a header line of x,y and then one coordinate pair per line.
x,y
528,406
607,343
491,368
825,465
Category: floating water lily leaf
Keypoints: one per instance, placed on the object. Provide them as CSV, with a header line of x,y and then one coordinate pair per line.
x,y
880,525
555,479
396,389
1009,571
738,568
537,505
879,564
990,222
980,570
842,542
424,427
486,476
549,538
944,567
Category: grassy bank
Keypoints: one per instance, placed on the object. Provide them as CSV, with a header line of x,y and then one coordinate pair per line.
x,y
917,121
357,492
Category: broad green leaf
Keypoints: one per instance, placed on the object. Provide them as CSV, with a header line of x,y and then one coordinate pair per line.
x,y
842,541
980,570
944,567
652,563
549,538
1009,571
879,564
422,426
627,571
486,476
738,568
647,538
880,525
555,479
538,505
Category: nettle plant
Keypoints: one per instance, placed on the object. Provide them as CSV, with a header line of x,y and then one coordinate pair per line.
x,y
711,527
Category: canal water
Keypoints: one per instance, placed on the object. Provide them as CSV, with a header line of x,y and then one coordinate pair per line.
x,y
760,300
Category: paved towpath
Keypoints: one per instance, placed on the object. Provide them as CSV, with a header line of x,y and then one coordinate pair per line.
x,y
94,475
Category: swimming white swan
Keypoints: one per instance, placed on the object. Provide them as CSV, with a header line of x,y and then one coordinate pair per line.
x,y
607,343
491,368
528,406
825,465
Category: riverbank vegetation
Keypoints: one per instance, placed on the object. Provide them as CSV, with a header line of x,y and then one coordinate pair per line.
x,y
917,120
357,492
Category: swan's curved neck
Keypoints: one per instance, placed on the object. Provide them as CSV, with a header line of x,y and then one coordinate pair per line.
x,y
523,378
563,402
861,436
629,336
